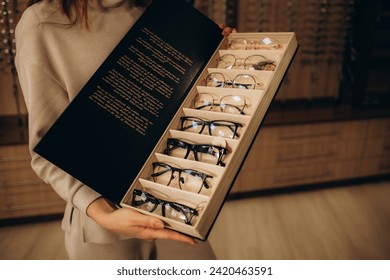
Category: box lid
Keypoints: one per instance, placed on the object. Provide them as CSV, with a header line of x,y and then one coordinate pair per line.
x,y
108,131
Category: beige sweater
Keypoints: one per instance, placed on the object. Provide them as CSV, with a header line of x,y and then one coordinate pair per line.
x,y
54,59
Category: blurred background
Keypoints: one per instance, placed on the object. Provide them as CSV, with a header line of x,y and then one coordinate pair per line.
x,y
316,182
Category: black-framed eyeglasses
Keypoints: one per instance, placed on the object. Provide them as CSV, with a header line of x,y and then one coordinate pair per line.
x,y
220,128
201,152
173,210
231,104
241,81
252,62
188,179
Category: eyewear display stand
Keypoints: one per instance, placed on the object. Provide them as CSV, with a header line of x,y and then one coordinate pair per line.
x,y
165,123
208,202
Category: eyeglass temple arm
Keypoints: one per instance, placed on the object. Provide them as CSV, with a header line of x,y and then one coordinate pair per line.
x,y
204,181
204,106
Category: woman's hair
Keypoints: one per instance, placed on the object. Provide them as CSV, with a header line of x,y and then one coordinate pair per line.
x,y
81,7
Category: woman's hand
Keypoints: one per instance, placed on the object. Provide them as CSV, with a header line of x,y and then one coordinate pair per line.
x,y
126,221
226,30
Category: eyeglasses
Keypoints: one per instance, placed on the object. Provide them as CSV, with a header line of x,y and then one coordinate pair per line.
x,y
241,81
172,210
201,152
266,43
232,104
189,179
220,128
253,62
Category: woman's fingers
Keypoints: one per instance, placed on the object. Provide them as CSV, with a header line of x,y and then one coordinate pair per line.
x,y
222,26
226,30
150,234
138,219
151,228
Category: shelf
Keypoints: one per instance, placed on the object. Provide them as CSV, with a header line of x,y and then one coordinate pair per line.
x,y
13,130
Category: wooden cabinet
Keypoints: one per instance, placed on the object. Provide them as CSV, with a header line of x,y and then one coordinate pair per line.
x,y
376,159
302,154
22,193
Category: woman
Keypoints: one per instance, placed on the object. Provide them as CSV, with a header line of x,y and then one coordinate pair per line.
x,y
60,44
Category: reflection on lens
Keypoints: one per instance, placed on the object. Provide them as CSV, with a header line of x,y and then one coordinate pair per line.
x,y
268,43
192,125
203,101
233,104
222,129
190,180
175,214
148,206
208,154
244,81
162,174
226,61
215,80
238,44
144,201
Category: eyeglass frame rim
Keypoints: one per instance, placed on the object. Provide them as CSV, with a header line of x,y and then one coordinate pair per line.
x,y
241,111
235,132
222,150
204,176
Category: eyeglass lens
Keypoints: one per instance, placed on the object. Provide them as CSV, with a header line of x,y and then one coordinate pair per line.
x,y
172,210
188,179
232,104
220,128
200,152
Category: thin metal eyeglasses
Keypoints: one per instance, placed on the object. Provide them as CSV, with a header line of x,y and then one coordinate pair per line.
x,y
232,104
266,43
201,152
253,62
189,179
241,81
168,209
221,128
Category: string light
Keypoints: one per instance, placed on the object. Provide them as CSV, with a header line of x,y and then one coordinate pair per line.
x,y
7,32
8,13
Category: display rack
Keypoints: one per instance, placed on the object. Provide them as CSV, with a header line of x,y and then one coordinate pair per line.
x,y
207,203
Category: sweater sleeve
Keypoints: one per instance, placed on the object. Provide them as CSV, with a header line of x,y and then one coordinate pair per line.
x,y
45,99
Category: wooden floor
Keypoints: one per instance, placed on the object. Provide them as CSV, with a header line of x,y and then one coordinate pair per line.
x,y
336,223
